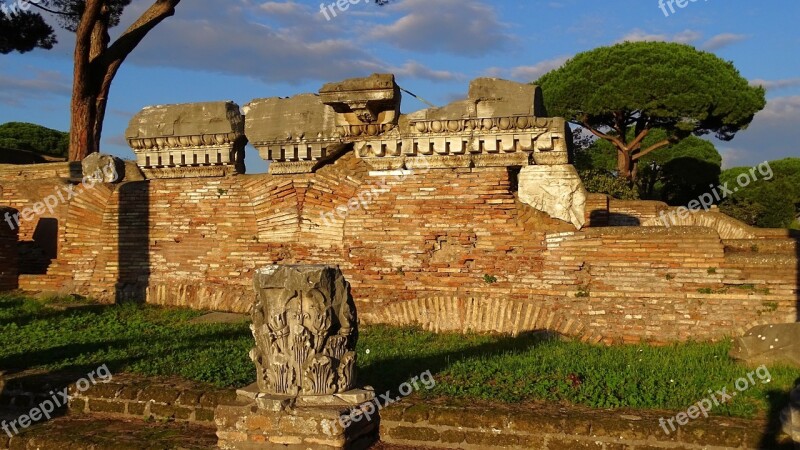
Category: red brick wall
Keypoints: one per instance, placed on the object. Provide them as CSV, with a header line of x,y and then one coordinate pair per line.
x,y
450,249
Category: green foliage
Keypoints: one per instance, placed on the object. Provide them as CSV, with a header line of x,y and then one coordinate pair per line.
x,y
672,86
675,174
159,341
23,31
604,182
773,202
489,279
35,138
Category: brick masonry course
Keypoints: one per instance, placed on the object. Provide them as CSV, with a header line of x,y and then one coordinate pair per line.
x,y
447,249
440,423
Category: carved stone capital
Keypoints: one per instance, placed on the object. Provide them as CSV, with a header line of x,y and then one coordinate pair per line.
x,y
305,329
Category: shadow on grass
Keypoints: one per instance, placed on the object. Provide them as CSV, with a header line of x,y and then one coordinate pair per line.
x,y
45,312
772,437
389,374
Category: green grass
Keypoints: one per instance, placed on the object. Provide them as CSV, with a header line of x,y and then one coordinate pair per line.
x,y
128,337
155,341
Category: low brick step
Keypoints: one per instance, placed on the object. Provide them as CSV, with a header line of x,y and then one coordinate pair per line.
x,y
53,283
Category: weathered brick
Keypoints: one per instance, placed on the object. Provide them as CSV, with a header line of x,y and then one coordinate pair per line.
x,y
107,406
414,434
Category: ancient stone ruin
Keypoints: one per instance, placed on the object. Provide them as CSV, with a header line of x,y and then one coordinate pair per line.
x,y
500,124
466,218
305,330
190,140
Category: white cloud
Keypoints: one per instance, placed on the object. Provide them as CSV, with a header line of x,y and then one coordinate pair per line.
x,y
528,73
770,136
414,69
15,90
272,41
781,109
283,8
684,37
776,84
460,27
692,37
723,40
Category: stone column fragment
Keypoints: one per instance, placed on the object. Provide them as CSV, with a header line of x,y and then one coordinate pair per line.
x,y
304,325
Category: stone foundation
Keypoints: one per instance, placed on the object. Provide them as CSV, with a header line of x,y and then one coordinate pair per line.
x,y
244,425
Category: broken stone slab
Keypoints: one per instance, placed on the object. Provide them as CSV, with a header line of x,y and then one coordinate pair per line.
x,y
357,396
769,344
555,190
294,133
490,97
495,97
103,168
186,120
250,391
188,140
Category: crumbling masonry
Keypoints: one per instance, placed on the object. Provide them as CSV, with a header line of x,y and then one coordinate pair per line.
x,y
466,217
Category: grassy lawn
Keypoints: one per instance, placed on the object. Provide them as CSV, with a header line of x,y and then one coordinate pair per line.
x,y
156,341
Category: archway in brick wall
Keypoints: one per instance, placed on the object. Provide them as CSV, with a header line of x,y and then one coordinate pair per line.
x,y
482,315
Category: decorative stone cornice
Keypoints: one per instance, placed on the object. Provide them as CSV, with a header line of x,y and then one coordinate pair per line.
x,y
485,141
188,140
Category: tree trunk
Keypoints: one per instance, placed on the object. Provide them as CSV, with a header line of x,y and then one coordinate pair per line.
x,y
624,165
82,139
96,64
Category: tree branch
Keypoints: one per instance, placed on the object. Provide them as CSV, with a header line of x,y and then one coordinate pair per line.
x,y
656,146
60,13
617,143
639,138
128,41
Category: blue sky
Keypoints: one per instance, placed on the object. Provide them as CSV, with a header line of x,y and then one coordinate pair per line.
x,y
245,49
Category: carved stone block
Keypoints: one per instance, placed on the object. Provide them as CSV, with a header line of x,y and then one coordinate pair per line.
x,y
103,168
305,329
304,325
296,129
769,344
360,101
188,140
556,190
